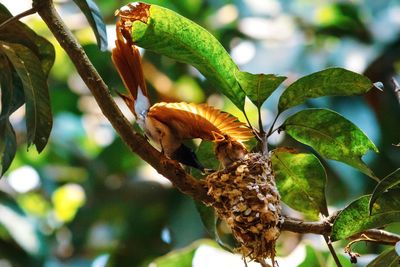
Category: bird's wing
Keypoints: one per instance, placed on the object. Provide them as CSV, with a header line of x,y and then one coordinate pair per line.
x,y
199,121
126,58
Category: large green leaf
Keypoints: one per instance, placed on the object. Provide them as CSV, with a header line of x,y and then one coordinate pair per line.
x,y
12,96
389,258
93,15
38,109
8,145
355,218
329,82
389,181
9,103
301,179
17,32
6,86
258,87
172,35
331,135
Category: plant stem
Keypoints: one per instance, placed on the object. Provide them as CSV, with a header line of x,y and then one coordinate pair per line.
x,y
17,17
332,250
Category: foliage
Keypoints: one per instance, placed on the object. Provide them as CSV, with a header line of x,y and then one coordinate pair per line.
x,y
94,196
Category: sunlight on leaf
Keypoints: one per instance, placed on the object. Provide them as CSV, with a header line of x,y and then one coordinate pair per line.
x,y
329,82
67,200
355,218
258,87
174,36
331,135
301,179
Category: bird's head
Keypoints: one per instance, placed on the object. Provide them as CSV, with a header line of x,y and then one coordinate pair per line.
x,y
227,149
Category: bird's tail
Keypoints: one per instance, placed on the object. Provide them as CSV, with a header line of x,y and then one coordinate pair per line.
x,y
126,58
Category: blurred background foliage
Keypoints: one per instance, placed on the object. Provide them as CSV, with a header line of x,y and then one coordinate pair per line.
x,y
87,201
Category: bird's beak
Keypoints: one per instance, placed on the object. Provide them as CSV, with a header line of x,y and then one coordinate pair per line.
x,y
217,137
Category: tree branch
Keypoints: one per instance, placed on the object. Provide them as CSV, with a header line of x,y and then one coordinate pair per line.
x,y
18,17
325,227
137,143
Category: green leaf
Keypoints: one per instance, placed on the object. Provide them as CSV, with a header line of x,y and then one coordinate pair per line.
x,y
38,109
12,96
93,15
301,179
17,32
388,258
331,135
258,87
205,154
208,218
389,181
355,218
329,82
168,33
10,101
8,145
6,86
315,257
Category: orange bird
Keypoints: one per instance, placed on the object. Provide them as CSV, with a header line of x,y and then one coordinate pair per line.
x,y
168,124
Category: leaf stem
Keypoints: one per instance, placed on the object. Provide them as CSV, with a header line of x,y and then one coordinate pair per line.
x,y
270,131
17,17
260,123
256,134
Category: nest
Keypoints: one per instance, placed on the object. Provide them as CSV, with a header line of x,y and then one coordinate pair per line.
x,y
246,198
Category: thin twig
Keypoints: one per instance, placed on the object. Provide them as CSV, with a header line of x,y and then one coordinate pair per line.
x,y
378,236
18,17
332,250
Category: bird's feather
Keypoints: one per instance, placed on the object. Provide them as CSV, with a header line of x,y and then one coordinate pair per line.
x,y
126,58
191,120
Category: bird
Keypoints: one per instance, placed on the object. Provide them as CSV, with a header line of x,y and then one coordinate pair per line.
x,y
169,124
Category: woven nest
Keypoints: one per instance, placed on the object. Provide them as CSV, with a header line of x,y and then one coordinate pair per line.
x,y
246,198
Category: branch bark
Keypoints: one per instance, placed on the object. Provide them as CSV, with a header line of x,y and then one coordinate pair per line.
x,y
325,227
186,183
